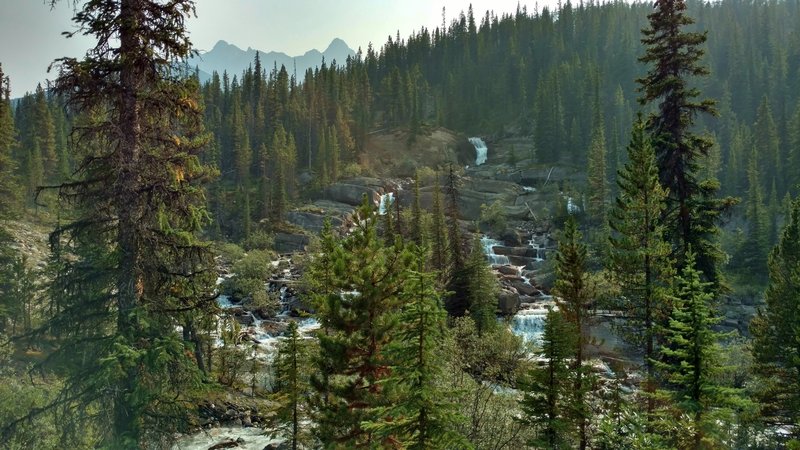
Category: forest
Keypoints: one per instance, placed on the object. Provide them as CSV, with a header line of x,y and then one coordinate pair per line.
x,y
558,228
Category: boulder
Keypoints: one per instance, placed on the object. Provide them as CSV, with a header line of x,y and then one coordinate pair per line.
x,y
350,194
310,221
493,186
508,302
508,270
290,242
514,251
524,288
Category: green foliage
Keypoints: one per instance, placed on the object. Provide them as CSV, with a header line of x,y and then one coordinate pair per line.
x,y
291,386
422,415
775,330
360,289
482,289
494,216
548,388
691,357
640,258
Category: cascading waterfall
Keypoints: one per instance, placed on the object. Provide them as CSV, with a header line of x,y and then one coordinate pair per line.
x,y
481,151
488,249
386,202
529,324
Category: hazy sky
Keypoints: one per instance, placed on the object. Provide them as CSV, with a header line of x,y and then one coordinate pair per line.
x,y
30,33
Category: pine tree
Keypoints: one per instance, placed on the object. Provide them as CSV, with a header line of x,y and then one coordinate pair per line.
x,y
137,271
574,296
482,290
547,391
357,311
752,257
775,331
640,258
596,169
439,233
421,416
767,142
9,191
690,353
291,375
416,215
675,55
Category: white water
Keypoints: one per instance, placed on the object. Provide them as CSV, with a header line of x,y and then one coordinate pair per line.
x,y
252,439
488,249
481,151
529,324
386,202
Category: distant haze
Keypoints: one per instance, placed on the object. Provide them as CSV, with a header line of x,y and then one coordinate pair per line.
x,y
31,33
228,57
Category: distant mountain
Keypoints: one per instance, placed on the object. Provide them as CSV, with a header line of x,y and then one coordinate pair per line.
x,y
230,58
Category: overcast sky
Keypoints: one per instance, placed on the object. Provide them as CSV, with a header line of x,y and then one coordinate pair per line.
x,y
30,33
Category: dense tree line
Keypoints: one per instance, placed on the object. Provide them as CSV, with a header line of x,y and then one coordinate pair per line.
x,y
153,153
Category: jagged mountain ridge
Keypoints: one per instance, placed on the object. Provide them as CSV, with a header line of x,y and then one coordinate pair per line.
x,y
228,57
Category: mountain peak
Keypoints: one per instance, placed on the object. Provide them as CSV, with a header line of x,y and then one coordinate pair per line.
x,y
338,45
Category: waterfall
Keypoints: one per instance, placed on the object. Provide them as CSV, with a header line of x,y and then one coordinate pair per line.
x,y
488,249
481,151
529,324
386,202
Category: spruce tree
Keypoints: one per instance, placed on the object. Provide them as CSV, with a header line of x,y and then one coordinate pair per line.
x,y
137,269
438,233
675,55
482,290
690,355
291,385
9,191
547,390
422,415
640,257
776,335
574,296
357,311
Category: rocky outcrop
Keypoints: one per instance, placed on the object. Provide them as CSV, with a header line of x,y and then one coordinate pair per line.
x,y
350,194
290,242
508,302
311,221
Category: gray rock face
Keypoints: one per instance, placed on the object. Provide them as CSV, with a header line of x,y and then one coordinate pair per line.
x,y
290,243
310,221
508,302
350,194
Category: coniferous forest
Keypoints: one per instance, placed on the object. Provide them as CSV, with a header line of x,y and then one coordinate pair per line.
x,y
558,228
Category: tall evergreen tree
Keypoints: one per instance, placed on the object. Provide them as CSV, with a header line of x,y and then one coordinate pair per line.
x,y
9,191
574,296
675,55
291,373
640,257
357,310
421,416
691,349
776,335
547,390
138,270
482,290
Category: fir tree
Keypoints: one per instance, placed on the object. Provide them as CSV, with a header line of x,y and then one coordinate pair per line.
x,y
9,191
675,55
775,331
421,416
137,271
291,384
640,258
690,352
547,390
439,233
357,313
574,296
482,290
